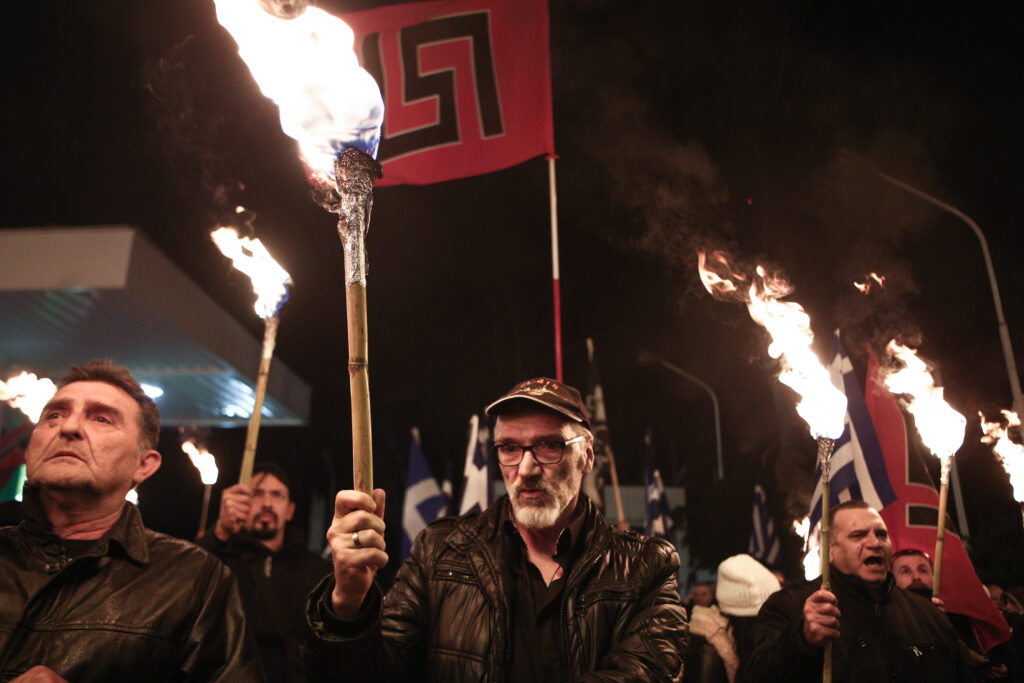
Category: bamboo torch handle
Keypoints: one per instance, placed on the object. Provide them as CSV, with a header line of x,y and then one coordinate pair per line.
x,y
940,540
205,512
253,433
359,386
825,447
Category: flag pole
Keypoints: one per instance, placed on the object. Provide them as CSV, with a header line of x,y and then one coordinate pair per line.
x,y
555,276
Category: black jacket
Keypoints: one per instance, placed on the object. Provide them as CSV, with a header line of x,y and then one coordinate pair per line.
x,y
274,588
447,616
898,637
137,605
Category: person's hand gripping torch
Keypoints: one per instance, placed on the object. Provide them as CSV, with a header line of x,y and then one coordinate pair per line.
x,y
304,61
941,429
270,282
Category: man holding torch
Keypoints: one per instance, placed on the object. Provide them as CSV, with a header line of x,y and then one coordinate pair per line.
x,y
275,570
537,587
88,593
878,631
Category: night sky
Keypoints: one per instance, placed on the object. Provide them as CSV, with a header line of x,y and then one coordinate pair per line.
x,y
753,126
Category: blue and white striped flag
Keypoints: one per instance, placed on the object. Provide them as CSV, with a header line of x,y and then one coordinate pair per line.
x,y
658,522
858,470
764,543
424,500
476,485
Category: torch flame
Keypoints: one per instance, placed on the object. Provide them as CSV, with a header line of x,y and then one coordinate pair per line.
x,y
1010,454
306,64
941,428
269,280
822,405
865,288
812,553
28,393
203,461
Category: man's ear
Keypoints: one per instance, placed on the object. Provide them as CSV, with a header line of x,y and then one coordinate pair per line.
x,y
149,462
588,458
291,511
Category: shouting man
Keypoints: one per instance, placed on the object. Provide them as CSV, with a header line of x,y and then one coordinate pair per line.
x,y
538,587
877,631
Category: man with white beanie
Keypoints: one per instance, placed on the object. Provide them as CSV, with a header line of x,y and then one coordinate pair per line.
x,y
727,630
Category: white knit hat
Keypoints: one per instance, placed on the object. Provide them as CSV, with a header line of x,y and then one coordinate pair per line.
x,y
743,585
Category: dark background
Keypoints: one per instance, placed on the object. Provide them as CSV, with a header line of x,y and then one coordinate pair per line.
x,y
748,126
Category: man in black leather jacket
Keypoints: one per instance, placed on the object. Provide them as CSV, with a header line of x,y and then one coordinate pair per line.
x,y
87,593
878,631
537,588
275,571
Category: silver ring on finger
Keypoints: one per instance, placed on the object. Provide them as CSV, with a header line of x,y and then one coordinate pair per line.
x,y
355,539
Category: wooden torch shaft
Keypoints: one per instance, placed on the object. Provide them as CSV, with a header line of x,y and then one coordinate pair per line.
x,y
940,540
205,512
825,447
359,385
249,456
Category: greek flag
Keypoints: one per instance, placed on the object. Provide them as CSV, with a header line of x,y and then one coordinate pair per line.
x,y
764,544
424,500
858,469
476,485
658,520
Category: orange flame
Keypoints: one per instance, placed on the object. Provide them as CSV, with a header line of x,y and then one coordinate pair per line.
x,y
269,280
941,428
1010,453
822,405
307,66
865,288
812,553
28,393
203,461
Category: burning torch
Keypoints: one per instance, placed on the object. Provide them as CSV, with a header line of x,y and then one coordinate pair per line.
x,y
1010,453
304,61
270,282
28,393
822,405
941,428
207,466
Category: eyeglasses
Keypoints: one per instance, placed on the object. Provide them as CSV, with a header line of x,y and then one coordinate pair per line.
x,y
544,452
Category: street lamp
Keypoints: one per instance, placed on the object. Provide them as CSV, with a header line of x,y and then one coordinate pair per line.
x,y
1004,333
648,357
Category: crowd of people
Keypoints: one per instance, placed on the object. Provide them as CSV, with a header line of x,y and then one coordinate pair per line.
x,y
537,587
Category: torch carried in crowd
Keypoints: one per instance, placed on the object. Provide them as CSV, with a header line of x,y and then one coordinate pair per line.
x,y
941,428
1009,452
821,405
28,393
302,58
207,466
270,282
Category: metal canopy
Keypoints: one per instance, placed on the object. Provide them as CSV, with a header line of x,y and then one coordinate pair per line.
x,y
71,294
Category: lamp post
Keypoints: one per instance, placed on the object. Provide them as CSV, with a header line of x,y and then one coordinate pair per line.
x,y
648,357
1004,333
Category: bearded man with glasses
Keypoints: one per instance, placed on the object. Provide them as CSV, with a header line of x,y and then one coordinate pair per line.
x,y
537,587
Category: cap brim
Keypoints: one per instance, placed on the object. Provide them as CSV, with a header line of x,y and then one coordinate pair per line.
x,y
505,399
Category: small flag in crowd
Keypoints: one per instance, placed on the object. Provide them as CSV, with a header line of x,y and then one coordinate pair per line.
x,y
658,520
476,486
764,543
424,500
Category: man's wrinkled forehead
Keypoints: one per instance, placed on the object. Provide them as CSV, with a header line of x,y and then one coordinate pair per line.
x,y
850,519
